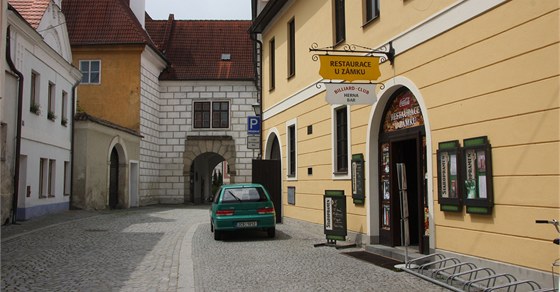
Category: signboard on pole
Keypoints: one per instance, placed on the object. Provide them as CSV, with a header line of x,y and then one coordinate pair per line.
x,y
254,125
349,68
349,93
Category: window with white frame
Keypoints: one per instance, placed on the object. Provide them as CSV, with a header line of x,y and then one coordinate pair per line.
x,y
64,109
43,177
34,105
51,100
91,71
211,114
66,178
340,140
52,178
291,143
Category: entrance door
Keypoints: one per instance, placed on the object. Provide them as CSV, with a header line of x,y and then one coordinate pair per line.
x,y
402,140
268,173
114,180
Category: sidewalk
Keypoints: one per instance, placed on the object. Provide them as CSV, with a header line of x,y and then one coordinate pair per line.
x,y
20,228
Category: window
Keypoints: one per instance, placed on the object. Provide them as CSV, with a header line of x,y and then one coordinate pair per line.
x,y
91,72
339,21
67,178
291,150
43,164
372,10
341,140
64,109
52,178
291,48
272,62
51,97
34,94
215,114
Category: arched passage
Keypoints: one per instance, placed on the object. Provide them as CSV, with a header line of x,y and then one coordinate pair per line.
x,y
204,153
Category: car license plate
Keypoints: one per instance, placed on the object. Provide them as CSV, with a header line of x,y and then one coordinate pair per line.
x,y
247,224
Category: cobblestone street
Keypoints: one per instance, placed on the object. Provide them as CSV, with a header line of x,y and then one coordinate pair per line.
x,y
162,248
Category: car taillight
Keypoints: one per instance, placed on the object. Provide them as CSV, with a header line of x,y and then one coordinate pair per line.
x,y
224,212
268,210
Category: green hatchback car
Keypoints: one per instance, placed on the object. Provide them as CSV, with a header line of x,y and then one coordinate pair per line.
x,y
242,206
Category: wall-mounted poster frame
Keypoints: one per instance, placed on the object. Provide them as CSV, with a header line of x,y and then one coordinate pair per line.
x,y
477,179
358,179
449,166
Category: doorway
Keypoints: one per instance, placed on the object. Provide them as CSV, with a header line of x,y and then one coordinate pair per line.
x,y
402,141
114,180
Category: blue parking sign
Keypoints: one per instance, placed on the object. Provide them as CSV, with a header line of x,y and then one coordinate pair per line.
x,y
253,125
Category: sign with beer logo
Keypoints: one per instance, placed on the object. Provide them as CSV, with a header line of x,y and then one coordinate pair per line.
x,y
404,113
349,68
349,93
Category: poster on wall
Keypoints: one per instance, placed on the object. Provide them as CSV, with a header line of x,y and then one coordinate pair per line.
x,y
478,183
448,176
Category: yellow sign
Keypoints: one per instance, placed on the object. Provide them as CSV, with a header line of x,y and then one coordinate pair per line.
x,y
349,68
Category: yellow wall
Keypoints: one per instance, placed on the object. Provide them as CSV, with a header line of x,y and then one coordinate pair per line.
x,y
495,75
117,97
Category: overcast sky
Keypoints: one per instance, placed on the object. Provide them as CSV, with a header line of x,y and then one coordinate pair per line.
x,y
199,9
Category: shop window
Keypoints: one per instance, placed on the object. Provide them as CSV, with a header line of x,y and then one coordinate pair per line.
x,y
43,177
478,180
448,163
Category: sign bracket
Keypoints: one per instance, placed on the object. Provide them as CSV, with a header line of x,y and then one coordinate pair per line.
x,y
387,51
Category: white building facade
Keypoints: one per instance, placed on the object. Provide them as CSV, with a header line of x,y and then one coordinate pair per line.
x,y
42,55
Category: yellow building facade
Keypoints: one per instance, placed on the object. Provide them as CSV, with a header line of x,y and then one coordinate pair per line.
x,y
462,70
118,100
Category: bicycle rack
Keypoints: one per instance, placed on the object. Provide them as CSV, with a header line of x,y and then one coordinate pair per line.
x,y
455,275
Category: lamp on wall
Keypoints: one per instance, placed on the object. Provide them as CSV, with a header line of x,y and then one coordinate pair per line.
x,y
257,108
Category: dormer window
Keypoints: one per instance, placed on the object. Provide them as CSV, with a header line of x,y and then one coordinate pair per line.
x,y
226,57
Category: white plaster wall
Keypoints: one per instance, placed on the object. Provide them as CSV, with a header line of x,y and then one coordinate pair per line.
x,y
150,150
41,137
176,114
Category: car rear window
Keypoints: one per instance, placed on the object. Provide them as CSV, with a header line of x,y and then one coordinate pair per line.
x,y
247,194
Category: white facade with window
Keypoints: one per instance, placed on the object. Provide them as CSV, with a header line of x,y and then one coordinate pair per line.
x,y
44,60
203,109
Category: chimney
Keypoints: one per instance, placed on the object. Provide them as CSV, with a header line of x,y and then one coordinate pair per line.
x,y
139,9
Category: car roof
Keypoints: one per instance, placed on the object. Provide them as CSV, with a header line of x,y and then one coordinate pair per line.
x,y
241,185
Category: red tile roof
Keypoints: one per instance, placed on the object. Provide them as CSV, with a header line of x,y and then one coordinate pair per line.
x,y
102,22
195,48
31,10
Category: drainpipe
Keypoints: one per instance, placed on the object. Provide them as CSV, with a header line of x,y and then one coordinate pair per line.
x,y
72,146
258,83
18,126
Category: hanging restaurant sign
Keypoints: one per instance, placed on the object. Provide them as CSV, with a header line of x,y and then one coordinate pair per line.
x,y
349,68
350,93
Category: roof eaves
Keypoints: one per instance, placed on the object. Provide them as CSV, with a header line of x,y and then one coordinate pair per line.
x,y
267,14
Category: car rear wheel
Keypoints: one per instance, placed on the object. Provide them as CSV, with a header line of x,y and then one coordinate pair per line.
x,y
271,232
217,235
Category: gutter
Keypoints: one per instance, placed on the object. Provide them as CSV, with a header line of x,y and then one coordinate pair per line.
x,y
258,82
18,126
72,145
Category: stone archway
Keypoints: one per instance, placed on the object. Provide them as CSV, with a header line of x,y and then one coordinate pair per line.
x,y
197,145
